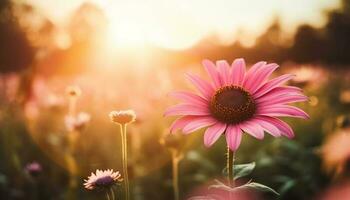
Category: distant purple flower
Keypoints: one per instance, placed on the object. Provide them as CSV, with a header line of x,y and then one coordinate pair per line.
x,y
33,168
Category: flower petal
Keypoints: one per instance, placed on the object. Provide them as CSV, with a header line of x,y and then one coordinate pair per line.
x,y
270,85
189,97
212,72
202,86
282,111
238,71
224,71
186,109
252,129
198,123
285,129
213,133
261,75
181,123
268,127
252,74
281,100
233,137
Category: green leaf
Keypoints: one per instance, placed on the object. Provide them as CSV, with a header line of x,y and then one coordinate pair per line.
x,y
259,187
220,185
243,170
3,179
287,186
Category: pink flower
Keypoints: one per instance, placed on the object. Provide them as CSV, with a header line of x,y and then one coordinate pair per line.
x,y
237,101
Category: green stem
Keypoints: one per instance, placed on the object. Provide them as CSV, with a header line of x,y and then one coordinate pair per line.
x,y
230,158
230,169
112,192
125,160
175,163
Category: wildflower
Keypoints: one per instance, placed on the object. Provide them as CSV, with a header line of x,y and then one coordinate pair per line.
x,y
33,168
122,117
77,123
237,101
102,179
73,91
172,141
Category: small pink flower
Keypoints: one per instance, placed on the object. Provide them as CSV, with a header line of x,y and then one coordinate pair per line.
x,y
237,101
33,168
102,179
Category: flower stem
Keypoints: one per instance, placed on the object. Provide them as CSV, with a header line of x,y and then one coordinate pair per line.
x,y
112,192
175,162
230,166
107,195
125,159
230,169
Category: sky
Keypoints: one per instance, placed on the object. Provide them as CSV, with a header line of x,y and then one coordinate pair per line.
x,y
179,24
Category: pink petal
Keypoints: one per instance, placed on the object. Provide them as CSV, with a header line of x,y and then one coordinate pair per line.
x,y
287,89
281,100
261,75
251,74
189,97
181,123
281,125
233,137
213,133
238,71
203,86
268,127
186,109
282,91
282,111
224,71
199,123
270,85
212,72
252,129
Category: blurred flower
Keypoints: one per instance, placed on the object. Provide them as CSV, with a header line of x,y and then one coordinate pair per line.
x,y
122,117
54,102
237,101
308,75
336,151
172,141
33,168
73,91
343,121
338,192
77,123
102,179
345,96
313,101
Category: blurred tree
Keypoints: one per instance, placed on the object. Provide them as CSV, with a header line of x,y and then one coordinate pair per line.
x,y
338,35
16,53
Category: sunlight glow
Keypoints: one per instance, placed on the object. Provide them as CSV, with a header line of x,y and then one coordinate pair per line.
x,y
179,24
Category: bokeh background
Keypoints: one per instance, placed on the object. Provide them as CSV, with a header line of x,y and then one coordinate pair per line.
x,y
130,55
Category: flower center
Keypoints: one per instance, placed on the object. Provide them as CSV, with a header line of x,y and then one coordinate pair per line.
x,y
104,181
232,104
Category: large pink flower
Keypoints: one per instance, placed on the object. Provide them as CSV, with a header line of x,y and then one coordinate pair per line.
x,y
237,101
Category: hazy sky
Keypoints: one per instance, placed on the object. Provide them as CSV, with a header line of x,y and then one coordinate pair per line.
x,y
180,23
